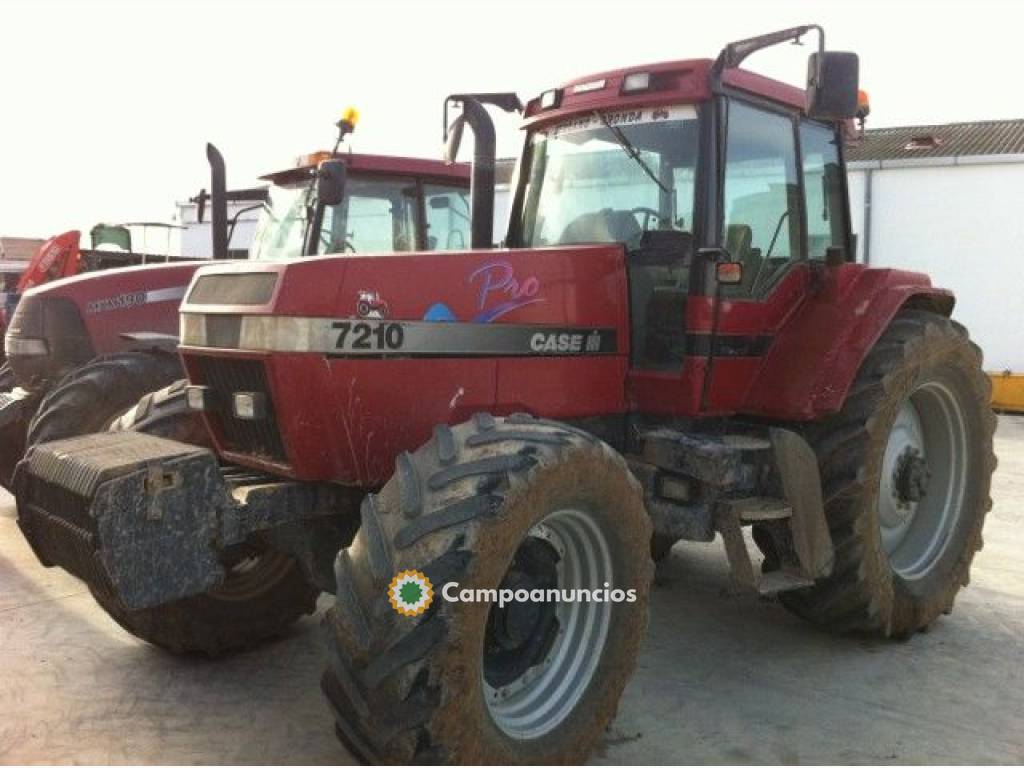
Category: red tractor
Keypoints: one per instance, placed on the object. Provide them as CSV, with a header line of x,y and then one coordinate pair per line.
x,y
676,344
83,350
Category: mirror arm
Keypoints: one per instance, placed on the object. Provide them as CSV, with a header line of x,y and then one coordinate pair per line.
x,y
736,52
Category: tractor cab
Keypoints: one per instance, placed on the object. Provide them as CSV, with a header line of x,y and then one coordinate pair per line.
x,y
726,189
377,204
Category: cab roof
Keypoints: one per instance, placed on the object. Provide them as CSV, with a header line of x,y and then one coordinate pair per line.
x,y
385,165
672,82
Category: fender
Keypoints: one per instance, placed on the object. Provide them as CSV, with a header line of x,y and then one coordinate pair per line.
x,y
818,351
150,340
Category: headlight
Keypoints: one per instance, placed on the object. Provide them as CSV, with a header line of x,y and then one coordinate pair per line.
x,y
193,330
249,406
21,347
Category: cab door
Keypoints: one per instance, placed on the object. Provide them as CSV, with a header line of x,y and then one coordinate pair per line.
x,y
783,205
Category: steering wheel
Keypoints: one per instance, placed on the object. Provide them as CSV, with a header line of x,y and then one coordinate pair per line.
x,y
327,240
649,213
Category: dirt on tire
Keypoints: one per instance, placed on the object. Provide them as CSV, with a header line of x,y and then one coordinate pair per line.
x,y
864,593
410,689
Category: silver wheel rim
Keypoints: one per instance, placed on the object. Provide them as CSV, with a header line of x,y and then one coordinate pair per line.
x,y
924,471
542,698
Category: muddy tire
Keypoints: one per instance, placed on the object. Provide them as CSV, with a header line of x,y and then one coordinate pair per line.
x,y
661,546
906,467
490,503
91,397
12,439
265,592
260,599
165,413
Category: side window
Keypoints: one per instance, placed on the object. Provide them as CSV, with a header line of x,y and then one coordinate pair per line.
x,y
761,199
447,218
823,188
379,219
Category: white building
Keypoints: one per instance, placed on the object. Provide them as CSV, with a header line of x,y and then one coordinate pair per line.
x,y
197,238
949,200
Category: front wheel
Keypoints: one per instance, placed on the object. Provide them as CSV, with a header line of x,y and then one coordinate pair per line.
x,y
906,468
263,592
515,504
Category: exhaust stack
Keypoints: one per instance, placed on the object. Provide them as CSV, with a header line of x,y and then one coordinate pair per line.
x,y
481,187
218,202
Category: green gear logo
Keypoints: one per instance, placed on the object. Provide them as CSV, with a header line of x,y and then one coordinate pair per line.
x,y
410,593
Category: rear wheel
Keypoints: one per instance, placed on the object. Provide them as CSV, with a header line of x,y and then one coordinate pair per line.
x,y
90,398
516,504
906,468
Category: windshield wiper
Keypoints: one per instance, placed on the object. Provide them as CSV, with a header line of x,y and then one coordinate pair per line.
x,y
633,152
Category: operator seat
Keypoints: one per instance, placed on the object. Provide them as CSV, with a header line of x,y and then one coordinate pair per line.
x,y
604,226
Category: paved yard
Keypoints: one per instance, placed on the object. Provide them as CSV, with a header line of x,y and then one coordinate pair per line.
x,y
723,678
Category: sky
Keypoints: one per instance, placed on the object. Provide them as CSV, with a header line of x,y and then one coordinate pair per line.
x,y
107,106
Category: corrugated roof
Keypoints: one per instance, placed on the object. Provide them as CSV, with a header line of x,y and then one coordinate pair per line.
x,y
914,142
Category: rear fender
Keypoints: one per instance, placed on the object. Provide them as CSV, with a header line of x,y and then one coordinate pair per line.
x,y
150,340
817,353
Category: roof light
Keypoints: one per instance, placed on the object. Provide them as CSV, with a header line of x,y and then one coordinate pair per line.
x,y
350,116
863,104
549,99
593,85
312,159
636,81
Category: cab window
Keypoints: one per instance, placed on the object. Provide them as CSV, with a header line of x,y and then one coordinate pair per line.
x,y
761,198
823,190
379,217
448,217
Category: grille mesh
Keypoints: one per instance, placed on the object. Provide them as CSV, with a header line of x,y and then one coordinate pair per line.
x,y
260,438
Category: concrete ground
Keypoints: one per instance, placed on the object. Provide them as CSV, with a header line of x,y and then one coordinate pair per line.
x,y
723,678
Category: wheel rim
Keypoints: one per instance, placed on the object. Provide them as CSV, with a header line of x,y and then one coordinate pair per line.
x,y
924,469
554,680
252,576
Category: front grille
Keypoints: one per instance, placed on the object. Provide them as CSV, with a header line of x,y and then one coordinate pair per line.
x,y
226,376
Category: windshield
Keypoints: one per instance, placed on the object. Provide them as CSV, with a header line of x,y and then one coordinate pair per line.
x,y
378,215
608,177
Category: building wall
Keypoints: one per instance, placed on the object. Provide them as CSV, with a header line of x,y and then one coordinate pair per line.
x,y
197,238
963,225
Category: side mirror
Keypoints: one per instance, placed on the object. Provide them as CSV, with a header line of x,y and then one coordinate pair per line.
x,y
454,139
832,85
330,182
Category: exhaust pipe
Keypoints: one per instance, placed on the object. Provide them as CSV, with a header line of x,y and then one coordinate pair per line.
x,y
218,202
481,186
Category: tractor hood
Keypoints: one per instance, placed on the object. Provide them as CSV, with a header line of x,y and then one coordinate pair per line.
x,y
353,359
68,322
297,306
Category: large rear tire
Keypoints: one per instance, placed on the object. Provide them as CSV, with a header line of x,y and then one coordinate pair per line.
x,y
906,467
495,503
90,398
